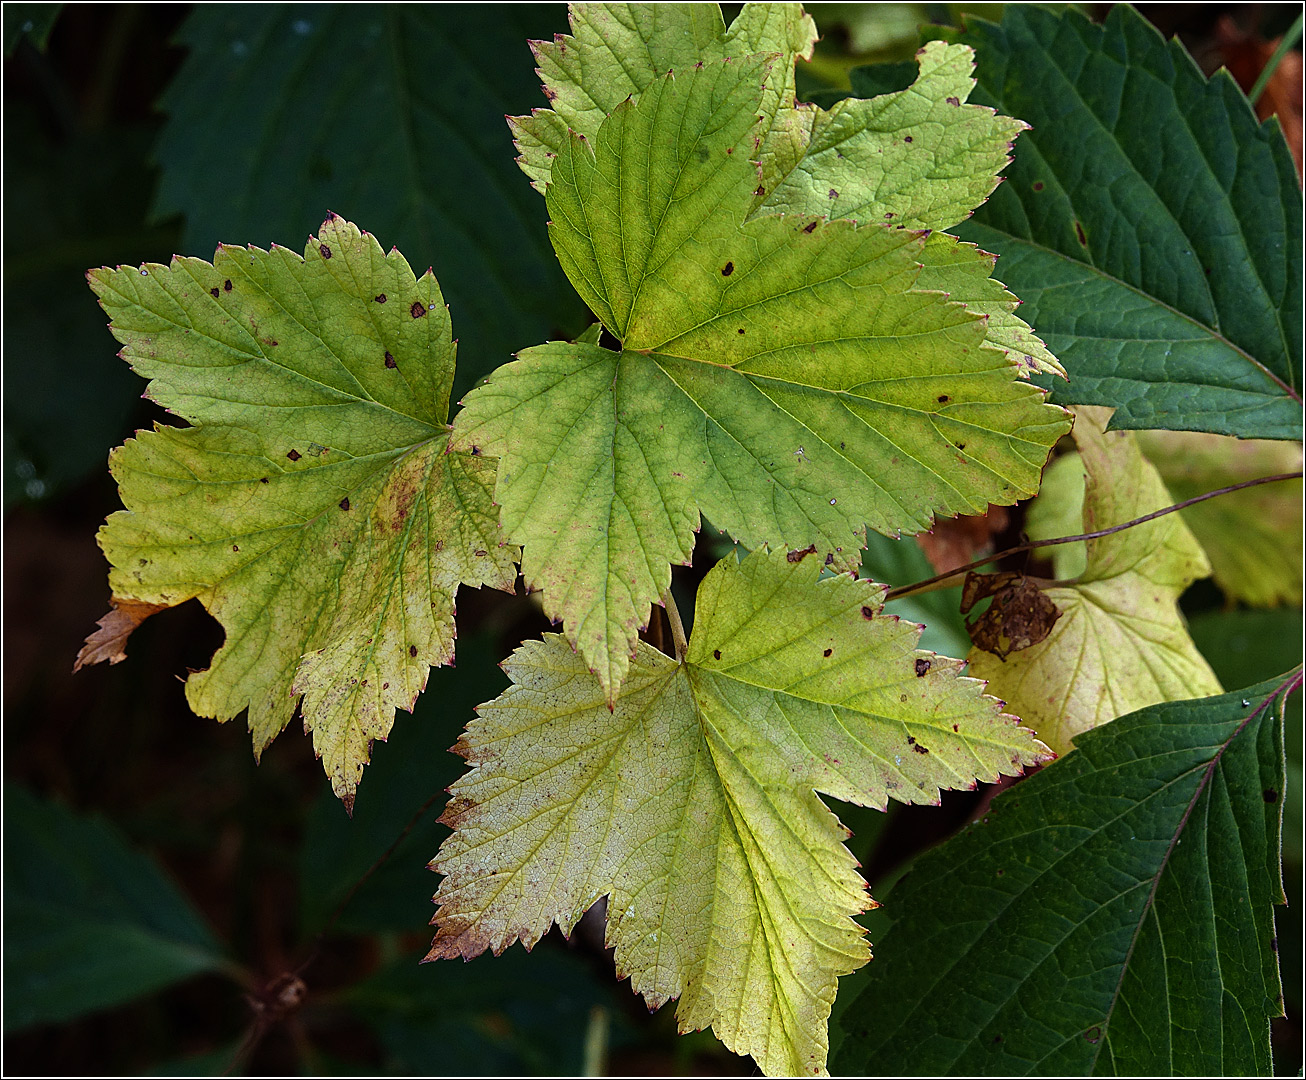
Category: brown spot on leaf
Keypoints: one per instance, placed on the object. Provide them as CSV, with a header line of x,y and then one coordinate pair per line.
x,y
918,748
262,479
728,269
810,227
799,556
1021,614
1038,185
412,650
760,191
833,194
235,548
326,251
110,641
294,455
922,666
867,613
1079,232
226,285
827,652
417,310
906,138
1270,795
379,298
344,503
944,399
954,101
214,292
389,360
741,329
716,653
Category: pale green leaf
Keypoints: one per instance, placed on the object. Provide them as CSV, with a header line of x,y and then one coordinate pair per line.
x,y
1120,643
312,506
780,375
1252,537
919,158
691,804
1059,511
615,51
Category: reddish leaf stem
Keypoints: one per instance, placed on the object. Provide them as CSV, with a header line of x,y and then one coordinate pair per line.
x,y
939,579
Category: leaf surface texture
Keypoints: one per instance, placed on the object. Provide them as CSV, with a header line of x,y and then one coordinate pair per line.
x,y
691,804
312,506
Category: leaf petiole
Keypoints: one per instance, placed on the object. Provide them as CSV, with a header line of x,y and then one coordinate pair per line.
x,y
941,580
678,637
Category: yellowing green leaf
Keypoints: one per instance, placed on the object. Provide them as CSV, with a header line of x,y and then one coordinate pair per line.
x,y
312,507
779,375
691,804
1252,537
1120,643
920,158
615,51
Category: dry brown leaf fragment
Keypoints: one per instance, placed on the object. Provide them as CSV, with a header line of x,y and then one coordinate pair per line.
x,y
110,641
1021,614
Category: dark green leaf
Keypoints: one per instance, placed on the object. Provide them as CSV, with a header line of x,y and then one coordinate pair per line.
x,y
89,922
1110,915
69,203
517,1014
1151,226
31,20
391,116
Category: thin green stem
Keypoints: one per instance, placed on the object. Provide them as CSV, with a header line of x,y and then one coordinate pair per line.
x,y
677,627
1267,73
940,581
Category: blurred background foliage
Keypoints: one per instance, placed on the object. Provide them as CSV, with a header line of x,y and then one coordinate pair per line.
x,y
170,907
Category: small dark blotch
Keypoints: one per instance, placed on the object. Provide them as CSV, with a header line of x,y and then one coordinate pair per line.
x,y
810,227
961,446
827,652
833,194
417,310
911,741
741,329
888,216
944,399
716,653
326,251
906,138
728,269
481,553
922,666
294,455
954,101
867,613
760,191
1079,232
389,360
379,298
262,479
1000,872
1093,1034
235,547
226,285
1270,795
412,650
829,558
997,1038
1038,185
918,748
799,556
344,503
476,451
730,149
214,292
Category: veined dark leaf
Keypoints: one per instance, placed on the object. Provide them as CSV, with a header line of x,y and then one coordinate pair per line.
x,y
1111,915
89,922
1149,223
